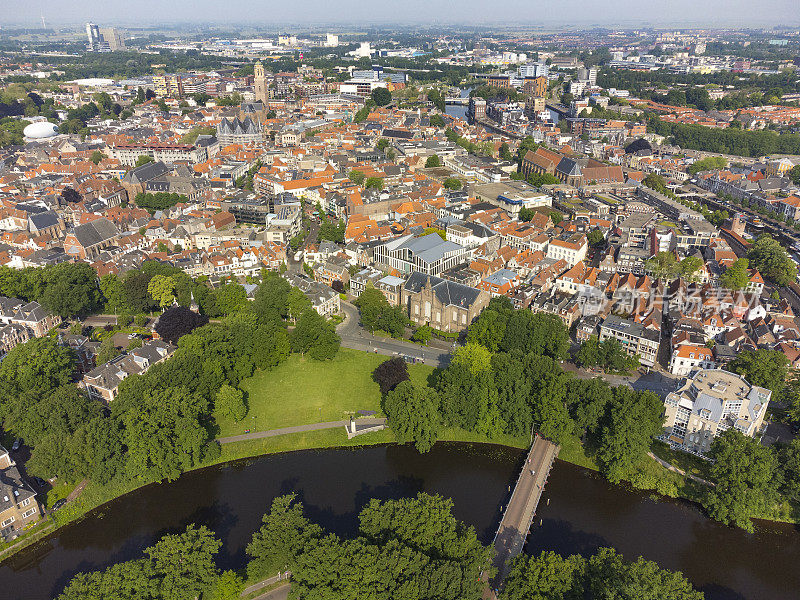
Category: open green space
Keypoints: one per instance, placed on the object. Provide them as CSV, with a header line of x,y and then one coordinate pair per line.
x,y
301,391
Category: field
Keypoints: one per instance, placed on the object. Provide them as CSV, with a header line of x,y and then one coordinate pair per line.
x,y
302,391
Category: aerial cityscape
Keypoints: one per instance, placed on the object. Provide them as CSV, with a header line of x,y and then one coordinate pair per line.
x,y
422,301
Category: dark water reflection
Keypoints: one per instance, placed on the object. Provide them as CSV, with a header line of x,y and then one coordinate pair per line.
x,y
584,513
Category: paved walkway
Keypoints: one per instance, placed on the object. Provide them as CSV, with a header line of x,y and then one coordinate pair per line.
x,y
675,469
265,583
256,435
279,593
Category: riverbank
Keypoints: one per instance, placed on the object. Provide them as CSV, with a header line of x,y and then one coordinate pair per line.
x,y
304,392
651,477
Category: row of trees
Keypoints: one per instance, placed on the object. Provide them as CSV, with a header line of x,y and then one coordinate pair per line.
x,y
66,289
508,380
177,567
404,549
550,576
609,355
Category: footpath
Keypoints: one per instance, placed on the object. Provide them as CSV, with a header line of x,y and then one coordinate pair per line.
x,y
371,422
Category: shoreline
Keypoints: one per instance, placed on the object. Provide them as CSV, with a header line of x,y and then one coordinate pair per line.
x,y
240,452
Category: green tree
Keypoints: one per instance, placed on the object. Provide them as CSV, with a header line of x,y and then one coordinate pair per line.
x,y
143,160
635,418
423,334
373,183
789,461
772,260
548,576
473,357
107,350
764,368
737,276
413,414
610,577
184,563
381,96
230,403
314,336
357,177
162,290
452,183
433,161
71,289
437,121
663,265
744,474
284,534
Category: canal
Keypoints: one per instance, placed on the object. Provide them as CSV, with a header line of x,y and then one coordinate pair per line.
x,y
584,513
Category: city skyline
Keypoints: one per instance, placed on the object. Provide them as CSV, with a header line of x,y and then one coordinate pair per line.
x,y
740,13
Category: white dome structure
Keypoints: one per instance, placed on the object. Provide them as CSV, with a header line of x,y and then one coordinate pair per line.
x,y
41,129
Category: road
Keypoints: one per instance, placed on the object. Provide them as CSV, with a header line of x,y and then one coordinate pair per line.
x,y
354,336
256,435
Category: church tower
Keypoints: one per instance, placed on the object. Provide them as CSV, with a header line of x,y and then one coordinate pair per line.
x,y
260,83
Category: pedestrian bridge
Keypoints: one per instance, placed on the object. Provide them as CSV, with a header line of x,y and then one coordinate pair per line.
x,y
518,515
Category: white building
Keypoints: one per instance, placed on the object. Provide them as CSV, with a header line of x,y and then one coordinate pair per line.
x,y
710,403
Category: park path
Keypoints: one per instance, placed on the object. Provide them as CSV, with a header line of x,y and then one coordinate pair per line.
x,y
256,435
279,593
265,583
675,469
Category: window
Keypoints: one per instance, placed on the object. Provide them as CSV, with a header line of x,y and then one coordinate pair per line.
x,y
7,522
28,513
25,502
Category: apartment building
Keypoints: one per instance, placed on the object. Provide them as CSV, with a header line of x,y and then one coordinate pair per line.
x,y
168,85
710,403
18,505
571,248
635,338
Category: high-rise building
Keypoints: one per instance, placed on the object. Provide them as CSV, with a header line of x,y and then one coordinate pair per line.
x,y
113,37
93,35
260,83
331,41
106,39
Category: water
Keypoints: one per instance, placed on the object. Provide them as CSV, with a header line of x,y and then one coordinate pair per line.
x,y
585,513
456,110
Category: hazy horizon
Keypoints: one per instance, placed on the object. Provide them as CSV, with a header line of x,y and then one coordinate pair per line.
x,y
255,13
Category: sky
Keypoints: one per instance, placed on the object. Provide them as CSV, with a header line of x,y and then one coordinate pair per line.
x,y
707,13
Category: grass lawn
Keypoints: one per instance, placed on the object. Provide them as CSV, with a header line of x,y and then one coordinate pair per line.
x,y
689,463
302,391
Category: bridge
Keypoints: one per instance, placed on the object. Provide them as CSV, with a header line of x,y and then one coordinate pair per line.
x,y
457,100
518,515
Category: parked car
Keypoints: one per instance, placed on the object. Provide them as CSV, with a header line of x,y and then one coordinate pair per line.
x,y
39,481
59,504
17,443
